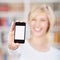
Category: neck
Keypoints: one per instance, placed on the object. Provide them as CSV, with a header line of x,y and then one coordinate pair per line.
x,y
40,43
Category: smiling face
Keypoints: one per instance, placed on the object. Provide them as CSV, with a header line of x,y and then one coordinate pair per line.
x,y
39,24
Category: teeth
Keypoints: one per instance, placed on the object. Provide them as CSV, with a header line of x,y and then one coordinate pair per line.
x,y
37,29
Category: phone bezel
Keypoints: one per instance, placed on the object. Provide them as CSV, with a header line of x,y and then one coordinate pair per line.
x,y
20,24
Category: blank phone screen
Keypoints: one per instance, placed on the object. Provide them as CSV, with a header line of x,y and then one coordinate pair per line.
x,y
19,32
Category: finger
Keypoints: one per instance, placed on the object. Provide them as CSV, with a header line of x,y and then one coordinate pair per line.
x,y
24,20
12,26
17,20
17,44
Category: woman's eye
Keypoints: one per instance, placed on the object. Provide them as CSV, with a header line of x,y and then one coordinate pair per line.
x,y
43,20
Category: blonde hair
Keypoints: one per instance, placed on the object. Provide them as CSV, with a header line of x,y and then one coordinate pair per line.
x,y
43,8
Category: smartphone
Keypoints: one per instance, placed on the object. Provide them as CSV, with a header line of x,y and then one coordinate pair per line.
x,y
20,32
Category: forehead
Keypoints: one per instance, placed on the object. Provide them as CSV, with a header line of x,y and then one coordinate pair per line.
x,y
38,14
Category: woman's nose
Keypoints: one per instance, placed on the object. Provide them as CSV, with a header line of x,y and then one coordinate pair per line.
x,y
37,24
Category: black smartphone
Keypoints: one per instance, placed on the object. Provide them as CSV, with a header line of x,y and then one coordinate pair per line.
x,y
20,32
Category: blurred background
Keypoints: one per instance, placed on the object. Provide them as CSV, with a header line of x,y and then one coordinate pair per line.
x,y
18,9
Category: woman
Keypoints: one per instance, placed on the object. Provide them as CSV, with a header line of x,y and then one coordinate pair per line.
x,y
41,20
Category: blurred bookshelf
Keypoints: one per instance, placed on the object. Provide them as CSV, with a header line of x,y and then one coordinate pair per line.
x,y
8,13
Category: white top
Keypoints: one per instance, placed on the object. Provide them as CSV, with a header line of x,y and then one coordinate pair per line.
x,y
26,52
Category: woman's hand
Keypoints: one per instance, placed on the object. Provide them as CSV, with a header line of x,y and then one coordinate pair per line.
x,y
11,44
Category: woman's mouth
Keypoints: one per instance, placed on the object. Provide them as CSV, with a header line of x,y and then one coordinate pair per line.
x,y
37,29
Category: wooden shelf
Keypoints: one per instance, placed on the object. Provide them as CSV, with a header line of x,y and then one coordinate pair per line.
x,y
57,38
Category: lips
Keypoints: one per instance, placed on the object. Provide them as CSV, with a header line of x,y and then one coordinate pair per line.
x,y
37,29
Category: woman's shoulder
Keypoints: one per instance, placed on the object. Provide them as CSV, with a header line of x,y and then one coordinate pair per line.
x,y
55,50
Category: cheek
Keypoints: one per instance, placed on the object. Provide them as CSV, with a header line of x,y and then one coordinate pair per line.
x,y
45,26
32,24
